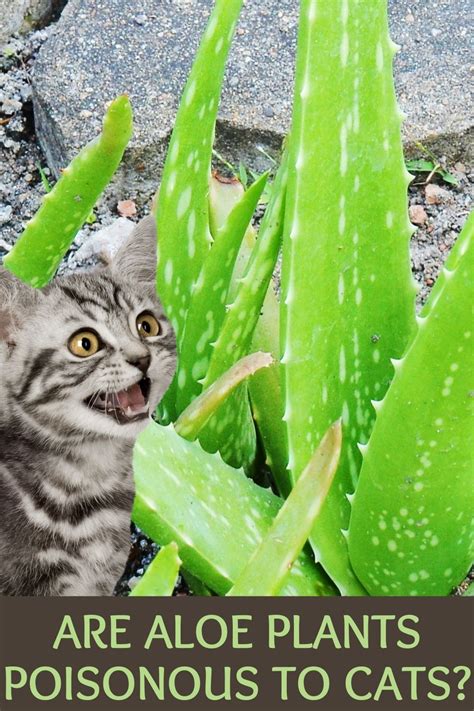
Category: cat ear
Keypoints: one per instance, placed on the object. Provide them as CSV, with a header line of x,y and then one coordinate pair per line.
x,y
136,258
17,300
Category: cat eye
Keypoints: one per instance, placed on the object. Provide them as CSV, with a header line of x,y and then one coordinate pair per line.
x,y
84,344
147,325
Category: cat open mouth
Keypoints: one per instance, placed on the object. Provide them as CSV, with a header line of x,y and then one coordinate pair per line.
x,y
124,406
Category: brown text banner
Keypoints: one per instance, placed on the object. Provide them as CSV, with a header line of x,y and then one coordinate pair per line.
x,y
249,653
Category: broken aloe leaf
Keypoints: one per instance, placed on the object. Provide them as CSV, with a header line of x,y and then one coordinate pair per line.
x,y
224,194
216,515
266,395
47,236
347,291
208,306
268,567
232,430
182,207
411,530
161,575
194,418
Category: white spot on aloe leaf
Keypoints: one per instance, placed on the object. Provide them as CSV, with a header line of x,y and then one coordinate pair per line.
x,y
379,57
169,272
190,93
171,183
312,11
184,201
342,365
341,289
389,219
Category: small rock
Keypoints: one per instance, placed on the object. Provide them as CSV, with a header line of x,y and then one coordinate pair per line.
x,y
126,208
435,194
460,167
418,214
105,243
5,213
268,111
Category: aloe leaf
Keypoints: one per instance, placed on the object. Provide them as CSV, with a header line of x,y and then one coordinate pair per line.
x,y
348,295
216,515
182,207
232,430
268,567
161,575
224,194
411,529
193,419
47,236
208,306
266,395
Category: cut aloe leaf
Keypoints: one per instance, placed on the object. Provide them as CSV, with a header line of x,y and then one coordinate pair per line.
x,y
190,423
268,567
224,194
208,306
182,207
266,395
161,575
216,515
347,291
411,529
48,235
232,430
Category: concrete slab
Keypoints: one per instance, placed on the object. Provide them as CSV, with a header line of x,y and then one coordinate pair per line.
x,y
146,49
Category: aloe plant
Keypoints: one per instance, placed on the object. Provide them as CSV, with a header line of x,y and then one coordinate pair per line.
x,y
268,567
345,329
161,575
411,527
38,252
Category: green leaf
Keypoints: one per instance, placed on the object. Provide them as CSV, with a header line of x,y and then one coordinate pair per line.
x,y
161,575
347,291
194,418
266,395
268,567
420,165
47,236
224,194
231,430
215,513
208,306
411,530
182,207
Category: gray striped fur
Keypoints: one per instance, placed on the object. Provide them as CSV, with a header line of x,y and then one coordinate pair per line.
x,y
66,484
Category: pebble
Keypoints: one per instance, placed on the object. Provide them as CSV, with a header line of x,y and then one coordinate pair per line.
x,y
435,194
5,213
418,214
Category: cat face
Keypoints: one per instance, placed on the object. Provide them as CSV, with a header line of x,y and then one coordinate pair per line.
x,y
92,353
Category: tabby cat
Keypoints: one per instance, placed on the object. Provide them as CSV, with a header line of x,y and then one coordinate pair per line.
x,y
83,363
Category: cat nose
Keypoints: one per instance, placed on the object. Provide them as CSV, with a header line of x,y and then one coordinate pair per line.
x,y
141,362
